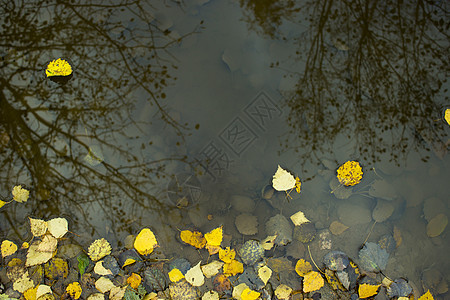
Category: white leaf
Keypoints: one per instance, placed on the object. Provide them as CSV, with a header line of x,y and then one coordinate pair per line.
x,y
237,291
211,295
42,290
101,270
36,257
283,180
104,285
195,276
264,273
212,268
283,291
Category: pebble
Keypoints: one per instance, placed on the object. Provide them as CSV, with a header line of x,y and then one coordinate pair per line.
x,y
432,207
382,211
242,204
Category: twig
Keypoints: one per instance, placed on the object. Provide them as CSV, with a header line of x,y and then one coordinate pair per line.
x,y
310,256
370,232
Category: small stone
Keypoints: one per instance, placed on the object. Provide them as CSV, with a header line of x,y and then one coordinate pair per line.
x,y
337,228
437,225
382,211
246,224
354,213
242,204
305,233
267,192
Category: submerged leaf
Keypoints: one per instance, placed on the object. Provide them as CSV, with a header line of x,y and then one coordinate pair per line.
x,y
58,227
373,258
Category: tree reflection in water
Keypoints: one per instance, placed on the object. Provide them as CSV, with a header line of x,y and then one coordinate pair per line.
x,y
116,51
374,76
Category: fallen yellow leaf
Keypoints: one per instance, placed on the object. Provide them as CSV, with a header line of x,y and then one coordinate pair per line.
x,y
193,238
312,281
367,290
135,280
233,268
8,248
214,237
427,295
283,180
99,249
20,194
227,255
302,267
38,227
145,242
264,274
447,116
74,290
249,294
175,275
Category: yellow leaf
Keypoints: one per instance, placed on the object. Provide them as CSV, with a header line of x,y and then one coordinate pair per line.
x,y
237,290
427,295
74,290
302,267
58,227
38,227
298,185
58,67
20,194
264,274
283,180
56,268
195,275
135,280
268,242
283,292
145,242
2,203
299,218
367,290
8,248
175,275
227,255
447,116
214,237
233,268
350,173
30,294
128,262
193,238
24,283
312,281
99,249
249,294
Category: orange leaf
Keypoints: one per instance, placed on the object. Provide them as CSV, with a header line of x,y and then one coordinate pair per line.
x,y
367,290
312,281
134,280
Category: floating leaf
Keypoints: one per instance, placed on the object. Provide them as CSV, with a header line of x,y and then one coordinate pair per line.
x,y
101,270
350,173
237,291
83,262
221,283
214,237
283,292
8,248
302,267
145,242
35,257
20,194
48,244
367,290
195,276
299,218
283,180
58,67
134,280
42,290
227,254
58,227
268,242
447,116
99,249
94,156
193,238
74,290
212,249
373,258
2,203
249,294
312,281
233,268
56,268
264,273
428,295
104,284
24,283
211,295
175,275
38,227
212,268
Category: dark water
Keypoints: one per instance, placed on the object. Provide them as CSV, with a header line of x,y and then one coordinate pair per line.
x,y
211,96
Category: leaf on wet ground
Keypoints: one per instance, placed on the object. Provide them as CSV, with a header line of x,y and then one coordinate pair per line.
x,y
212,268
227,255
175,275
233,268
249,294
74,290
283,292
264,273
58,227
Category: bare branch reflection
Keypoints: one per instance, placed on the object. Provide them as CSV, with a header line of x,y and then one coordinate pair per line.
x,y
54,136
373,77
